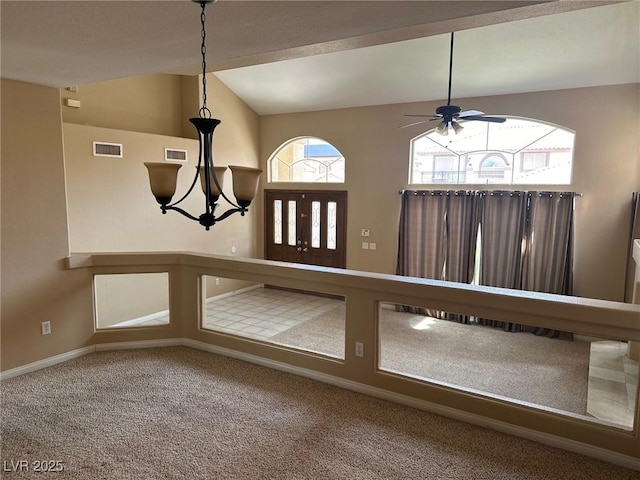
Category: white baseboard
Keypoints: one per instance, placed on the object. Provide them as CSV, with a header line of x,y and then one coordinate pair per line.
x,y
163,342
539,437
47,362
80,352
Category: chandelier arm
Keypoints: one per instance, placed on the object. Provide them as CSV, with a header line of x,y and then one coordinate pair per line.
x,y
233,204
230,212
181,211
206,143
193,184
195,179
207,140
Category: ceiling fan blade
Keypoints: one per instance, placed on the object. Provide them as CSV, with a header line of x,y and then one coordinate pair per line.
x,y
470,113
424,116
414,123
485,119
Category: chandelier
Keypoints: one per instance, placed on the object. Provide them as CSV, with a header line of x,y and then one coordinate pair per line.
x,y
163,176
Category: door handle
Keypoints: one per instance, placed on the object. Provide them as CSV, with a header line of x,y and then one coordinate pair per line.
x,y
300,249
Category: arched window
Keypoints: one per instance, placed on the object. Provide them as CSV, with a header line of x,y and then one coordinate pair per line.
x,y
518,151
493,165
306,160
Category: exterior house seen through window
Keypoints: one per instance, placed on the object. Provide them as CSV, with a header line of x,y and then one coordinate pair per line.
x,y
306,160
519,151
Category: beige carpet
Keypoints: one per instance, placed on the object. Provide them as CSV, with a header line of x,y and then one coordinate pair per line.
x,y
548,372
178,413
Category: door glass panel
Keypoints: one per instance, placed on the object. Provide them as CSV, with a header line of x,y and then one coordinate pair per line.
x,y
331,225
292,223
315,224
277,222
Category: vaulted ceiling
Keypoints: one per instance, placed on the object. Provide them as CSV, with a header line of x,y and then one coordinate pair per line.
x,y
284,56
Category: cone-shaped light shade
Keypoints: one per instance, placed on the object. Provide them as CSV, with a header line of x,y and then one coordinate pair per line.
x,y
457,127
245,183
219,172
442,129
163,178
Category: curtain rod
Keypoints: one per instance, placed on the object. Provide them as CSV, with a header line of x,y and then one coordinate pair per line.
x,y
461,192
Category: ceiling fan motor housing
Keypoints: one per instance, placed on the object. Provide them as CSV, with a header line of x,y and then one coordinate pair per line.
x,y
448,111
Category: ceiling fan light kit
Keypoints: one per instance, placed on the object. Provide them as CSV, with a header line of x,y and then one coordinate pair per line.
x,y
163,176
449,115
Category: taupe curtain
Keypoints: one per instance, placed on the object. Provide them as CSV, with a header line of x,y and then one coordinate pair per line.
x,y
547,261
635,234
547,264
462,217
421,248
421,239
526,243
502,229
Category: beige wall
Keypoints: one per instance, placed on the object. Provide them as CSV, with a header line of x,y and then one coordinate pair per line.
x,y
35,285
109,202
148,103
190,95
111,207
606,170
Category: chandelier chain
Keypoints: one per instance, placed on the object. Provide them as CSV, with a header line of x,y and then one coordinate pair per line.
x,y
204,111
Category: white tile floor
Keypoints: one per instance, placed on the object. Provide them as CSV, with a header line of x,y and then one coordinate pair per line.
x,y
613,383
262,313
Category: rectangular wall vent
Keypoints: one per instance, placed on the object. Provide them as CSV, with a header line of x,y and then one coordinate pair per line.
x,y
175,155
105,149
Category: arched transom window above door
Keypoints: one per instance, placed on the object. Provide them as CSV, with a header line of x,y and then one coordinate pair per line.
x,y
520,151
306,160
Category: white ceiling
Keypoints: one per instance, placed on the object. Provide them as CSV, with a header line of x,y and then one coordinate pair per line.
x,y
288,56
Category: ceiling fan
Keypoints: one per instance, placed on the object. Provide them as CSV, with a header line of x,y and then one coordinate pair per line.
x,y
452,115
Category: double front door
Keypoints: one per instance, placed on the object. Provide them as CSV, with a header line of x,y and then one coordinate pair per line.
x,y
306,227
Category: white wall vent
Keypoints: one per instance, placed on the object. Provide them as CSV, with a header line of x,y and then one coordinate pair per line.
x,y
105,149
175,155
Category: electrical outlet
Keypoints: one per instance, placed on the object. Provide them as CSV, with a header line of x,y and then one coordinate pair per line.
x,y
365,232
217,281
359,349
46,327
